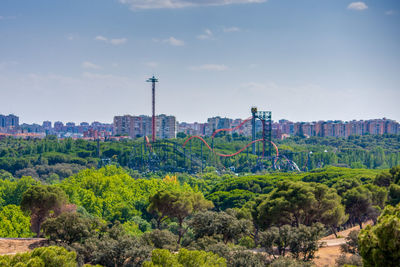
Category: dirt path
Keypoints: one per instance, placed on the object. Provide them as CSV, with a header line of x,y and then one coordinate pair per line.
x,y
327,255
17,245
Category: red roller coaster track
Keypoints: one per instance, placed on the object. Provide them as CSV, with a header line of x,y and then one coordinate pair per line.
x,y
229,130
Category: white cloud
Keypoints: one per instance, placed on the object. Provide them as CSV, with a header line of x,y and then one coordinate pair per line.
x,y
153,4
206,35
116,41
357,6
101,38
172,41
210,67
231,29
90,65
391,12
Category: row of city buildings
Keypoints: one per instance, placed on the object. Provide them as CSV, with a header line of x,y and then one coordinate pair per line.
x,y
130,126
10,126
285,128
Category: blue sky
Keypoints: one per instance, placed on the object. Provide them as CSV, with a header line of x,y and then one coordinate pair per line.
x,y
86,60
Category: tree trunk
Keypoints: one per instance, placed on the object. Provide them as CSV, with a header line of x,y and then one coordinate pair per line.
x,y
334,231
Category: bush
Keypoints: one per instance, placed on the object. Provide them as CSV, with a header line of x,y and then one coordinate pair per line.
x,y
185,258
14,223
289,262
162,239
380,244
44,256
247,258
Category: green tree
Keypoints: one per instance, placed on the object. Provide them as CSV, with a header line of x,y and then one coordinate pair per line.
x,y
44,256
177,204
383,179
184,258
210,223
163,239
380,244
114,247
358,201
302,241
41,201
70,228
301,203
14,223
394,194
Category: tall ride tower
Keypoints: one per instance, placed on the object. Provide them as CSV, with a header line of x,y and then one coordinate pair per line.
x,y
266,118
153,81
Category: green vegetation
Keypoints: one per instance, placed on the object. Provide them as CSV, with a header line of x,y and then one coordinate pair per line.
x,y
113,216
51,160
45,256
380,244
184,258
14,223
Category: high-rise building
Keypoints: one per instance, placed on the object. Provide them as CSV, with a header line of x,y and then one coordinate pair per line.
x,y
58,126
46,125
9,121
139,126
165,126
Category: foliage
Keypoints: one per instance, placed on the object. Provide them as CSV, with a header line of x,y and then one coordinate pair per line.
x,y
349,261
300,203
358,201
113,247
110,193
11,190
163,239
184,258
210,223
44,256
302,241
289,262
70,228
30,157
380,244
246,258
177,204
14,223
40,201
394,194
351,245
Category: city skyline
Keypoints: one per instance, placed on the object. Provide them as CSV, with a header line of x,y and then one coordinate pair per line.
x,y
78,122
303,60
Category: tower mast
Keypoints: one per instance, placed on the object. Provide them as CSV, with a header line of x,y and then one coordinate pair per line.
x,y
153,81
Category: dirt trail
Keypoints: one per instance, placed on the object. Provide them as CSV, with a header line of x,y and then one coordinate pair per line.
x,y
18,245
326,256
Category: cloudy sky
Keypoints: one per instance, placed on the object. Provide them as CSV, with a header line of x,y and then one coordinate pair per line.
x,y
86,60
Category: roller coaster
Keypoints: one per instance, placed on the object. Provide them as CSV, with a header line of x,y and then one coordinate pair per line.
x,y
175,156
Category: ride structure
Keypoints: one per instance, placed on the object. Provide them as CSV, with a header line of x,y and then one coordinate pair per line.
x,y
153,80
175,156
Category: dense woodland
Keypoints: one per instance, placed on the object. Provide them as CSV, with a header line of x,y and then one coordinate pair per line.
x,y
51,160
114,216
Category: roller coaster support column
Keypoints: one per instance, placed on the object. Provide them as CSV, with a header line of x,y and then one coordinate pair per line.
x,y
201,157
253,128
153,81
